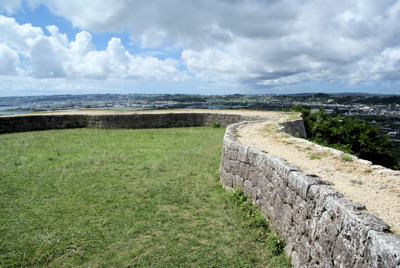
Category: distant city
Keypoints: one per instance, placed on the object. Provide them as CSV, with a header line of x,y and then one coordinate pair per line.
x,y
382,110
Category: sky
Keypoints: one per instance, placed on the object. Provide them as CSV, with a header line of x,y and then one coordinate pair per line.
x,y
52,47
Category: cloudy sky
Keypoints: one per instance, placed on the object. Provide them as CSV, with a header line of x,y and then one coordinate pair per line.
x,y
199,46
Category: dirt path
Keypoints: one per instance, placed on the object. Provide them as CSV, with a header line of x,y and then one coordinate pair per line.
x,y
374,186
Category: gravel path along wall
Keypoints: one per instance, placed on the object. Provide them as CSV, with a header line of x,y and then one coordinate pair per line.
x,y
321,227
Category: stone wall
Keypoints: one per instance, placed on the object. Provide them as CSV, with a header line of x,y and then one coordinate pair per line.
x,y
321,227
12,124
41,122
295,128
163,120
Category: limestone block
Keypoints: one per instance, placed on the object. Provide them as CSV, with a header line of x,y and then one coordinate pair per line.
x,y
247,187
278,208
226,178
300,182
231,154
383,250
318,193
261,161
300,213
355,224
324,234
284,169
232,166
286,218
242,153
265,206
254,198
252,154
342,255
290,197
274,162
236,146
303,251
244,170
254,176
263,182
277,181
258,195
267,188
238,182
294,128
295,260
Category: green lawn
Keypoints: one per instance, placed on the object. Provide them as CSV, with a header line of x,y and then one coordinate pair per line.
x,y
95,197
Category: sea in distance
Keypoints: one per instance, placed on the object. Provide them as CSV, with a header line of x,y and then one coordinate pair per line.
x,y
4,110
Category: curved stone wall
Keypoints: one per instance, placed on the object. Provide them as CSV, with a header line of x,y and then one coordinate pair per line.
x,y
321,227
12,124
295,128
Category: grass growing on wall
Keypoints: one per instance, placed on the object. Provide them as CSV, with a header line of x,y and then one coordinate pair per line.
x,y
94,197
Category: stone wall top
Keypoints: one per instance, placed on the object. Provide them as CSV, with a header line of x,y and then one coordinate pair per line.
x,y
321,227
110,119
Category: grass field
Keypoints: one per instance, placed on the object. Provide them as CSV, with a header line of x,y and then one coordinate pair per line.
x,y
94,197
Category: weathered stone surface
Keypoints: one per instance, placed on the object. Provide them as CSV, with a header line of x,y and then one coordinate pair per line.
x,y
244,170
12,124
254,176
37,122
226,178
383,250
242,153
294,128
247,187
321,227
300,182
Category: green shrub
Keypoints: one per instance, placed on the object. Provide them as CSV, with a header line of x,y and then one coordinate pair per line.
x,y
313,156
252,213
346,157
215,124
349,135
254,219
368,170
276,244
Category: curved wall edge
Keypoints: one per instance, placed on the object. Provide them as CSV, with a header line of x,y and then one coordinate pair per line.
x,y
13,124
321,227
295,128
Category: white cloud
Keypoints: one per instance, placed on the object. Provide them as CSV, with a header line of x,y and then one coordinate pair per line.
x,y
82,44
257,42
10,6
154,38
96,15
18,36
243,42
8,60
117,63
384,66
55,56
46,59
